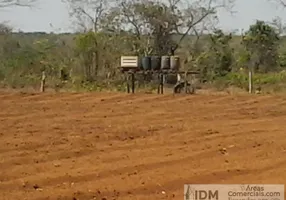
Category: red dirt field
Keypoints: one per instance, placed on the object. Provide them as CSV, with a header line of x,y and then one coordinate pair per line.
x,y
105,146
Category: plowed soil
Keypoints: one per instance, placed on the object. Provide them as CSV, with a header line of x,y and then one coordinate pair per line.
x,y
143,146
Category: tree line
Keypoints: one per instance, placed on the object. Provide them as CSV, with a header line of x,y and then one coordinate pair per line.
x,y
109,29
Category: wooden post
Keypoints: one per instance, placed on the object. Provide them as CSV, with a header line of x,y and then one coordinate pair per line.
x,y
250,80
127,82
186,82
162,83
193,85
43,81
132,82
159,84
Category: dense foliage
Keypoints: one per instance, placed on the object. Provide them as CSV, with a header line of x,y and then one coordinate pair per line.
x,y
91,57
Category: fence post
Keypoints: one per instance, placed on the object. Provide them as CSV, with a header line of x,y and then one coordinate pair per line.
x,y
186,82
250,80
43,81
133,82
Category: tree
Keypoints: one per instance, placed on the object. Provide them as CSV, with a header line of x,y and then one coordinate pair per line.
x,y
159,20
87,14
162,20
5,29
281,2
278,24
223,53
23,3
141,27
261,41
217,60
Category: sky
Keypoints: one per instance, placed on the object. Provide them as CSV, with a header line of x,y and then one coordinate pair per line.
x,y
52,16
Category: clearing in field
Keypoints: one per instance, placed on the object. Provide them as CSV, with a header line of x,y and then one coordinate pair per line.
x,y
145,147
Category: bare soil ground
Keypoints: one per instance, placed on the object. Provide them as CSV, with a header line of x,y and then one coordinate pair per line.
x,y
119,146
